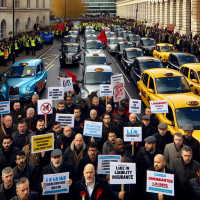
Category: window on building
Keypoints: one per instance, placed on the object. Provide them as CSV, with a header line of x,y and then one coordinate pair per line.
x,y
16,3
43,3
3,3
3,29
37,3
28,4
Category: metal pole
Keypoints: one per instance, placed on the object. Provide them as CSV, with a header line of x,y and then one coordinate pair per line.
x,y
13,54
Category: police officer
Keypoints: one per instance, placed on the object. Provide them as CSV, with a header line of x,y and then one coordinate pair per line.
x,y
33,46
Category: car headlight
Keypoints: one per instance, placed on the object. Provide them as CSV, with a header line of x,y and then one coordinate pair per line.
x,y
61,57
1,90
129,64
76,57
28,88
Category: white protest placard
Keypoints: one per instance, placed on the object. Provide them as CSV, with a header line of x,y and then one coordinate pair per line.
x,y
66,83
135,106
4,107
132,134
104,163
55,93
159,106
122,173
45,106
160,183
55,183
106,90
65,120
118,86
92,129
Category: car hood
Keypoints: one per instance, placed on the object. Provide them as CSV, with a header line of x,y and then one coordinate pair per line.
x,y
94,50
18,82
70,54
112,46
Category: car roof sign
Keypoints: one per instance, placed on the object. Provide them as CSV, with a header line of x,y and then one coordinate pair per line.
x,y
23,64
98,69
192,103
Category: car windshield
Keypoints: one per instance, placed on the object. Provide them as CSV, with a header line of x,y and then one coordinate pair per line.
x,y
115,41
134,38
149,42
94,37
187,59
171,85
109,34
89,32
70,39
150,65
166,48
134,54
21,72
188,115
125,34
89,28
95,60
73,33
70,49
93,45
124,46
98,78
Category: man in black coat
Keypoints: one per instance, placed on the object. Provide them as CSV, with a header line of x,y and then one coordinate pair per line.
x,y
70,105
24,169
83,107
163,136
56,129
8,187
101,189
153,120
191,141
57,165
17,113
122,114
31,119
33,104
76,151
78,121
96,106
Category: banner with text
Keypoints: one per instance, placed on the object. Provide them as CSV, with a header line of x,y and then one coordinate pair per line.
x,y
92,129
132,134
66,83
55,183
42,143
160,183
55,93
159,106
65,120
122,173
104,163
45,107
135,106
106,90
4,107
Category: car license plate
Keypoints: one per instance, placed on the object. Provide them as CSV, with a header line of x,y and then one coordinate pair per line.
x,y
68,62
13,98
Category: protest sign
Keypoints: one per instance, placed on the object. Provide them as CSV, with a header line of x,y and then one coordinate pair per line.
x,y
44,107
55,183
135,106
159,106
104,163
118,86
106,90
66,83
92,129
42,143
55,93
122,173
133,134
65,119
160,183
4,107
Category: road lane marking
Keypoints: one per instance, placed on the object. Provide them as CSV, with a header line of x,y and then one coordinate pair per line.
x,y
47,51
51,62
50,67
122,73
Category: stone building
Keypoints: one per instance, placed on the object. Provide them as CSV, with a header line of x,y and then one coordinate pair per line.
x,y
166,12
27,13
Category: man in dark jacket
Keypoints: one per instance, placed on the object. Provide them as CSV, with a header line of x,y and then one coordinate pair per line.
x,y
23,191
78,121
96,106
153,120
56,129
24,169
21,136
121,113
31,119
101,189
7,127
57,165
163,136
108,145
17,113
8,187
33,104
191,141
185,167
83,107
76,151
145,156
70,105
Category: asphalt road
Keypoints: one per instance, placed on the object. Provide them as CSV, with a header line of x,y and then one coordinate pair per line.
x,y
52,65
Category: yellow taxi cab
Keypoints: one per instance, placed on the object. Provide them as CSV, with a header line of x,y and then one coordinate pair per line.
x,y
192,73
171,85
162,51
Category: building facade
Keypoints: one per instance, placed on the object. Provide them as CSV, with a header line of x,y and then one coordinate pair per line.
x,y
27,13
164,12
101,7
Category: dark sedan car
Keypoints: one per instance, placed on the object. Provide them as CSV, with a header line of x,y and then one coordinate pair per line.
x,y
120,47
147,45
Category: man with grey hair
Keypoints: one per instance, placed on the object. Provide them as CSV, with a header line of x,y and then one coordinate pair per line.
x,y
31,119
23,191
96,106
172,151
33,104
185,168
8,187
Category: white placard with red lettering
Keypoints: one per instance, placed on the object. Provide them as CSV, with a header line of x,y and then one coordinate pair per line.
x,y
159,106
160,183
118,86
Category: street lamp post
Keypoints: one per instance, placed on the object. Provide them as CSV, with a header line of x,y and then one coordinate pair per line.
x,y
13,52
64,29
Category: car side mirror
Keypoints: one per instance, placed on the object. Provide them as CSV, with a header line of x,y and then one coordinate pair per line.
x,y
109,63
39,73
191,85
60,50
82,63
4,75
83,47
150,91
194,81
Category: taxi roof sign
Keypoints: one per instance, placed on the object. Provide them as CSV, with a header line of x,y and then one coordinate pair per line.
x,y
70,45
125,42
114,36
168,74
69,36
134,35
186,54
23,64
95,54
148,38
93,41
192,103
150,60
136,50
91,35
98,69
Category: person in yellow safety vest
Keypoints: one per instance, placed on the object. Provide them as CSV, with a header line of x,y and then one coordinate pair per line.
x,y
9,51
178,43
5,55
27,46
1,54
66,30
16,48
57,34
33,46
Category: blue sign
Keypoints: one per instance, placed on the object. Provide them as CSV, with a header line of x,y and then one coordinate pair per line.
x,y
47,36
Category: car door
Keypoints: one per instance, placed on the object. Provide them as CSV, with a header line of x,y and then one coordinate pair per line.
x,y
123,58
136,75
143,90
155,51
39,76
176,63
193,79
150,96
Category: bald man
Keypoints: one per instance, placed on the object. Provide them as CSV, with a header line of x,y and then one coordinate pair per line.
x,y
93,116
65,139
76,151
91,186
160,166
